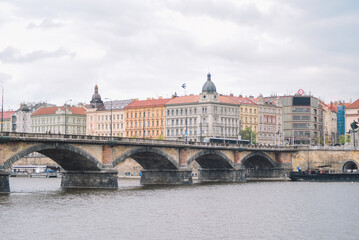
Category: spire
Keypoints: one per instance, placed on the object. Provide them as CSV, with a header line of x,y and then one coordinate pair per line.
x,y
209,77
96,99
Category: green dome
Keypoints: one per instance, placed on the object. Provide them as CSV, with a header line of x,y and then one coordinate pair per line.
x,y
209,85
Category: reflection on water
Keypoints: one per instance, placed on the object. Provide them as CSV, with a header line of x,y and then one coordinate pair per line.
x,y
38,208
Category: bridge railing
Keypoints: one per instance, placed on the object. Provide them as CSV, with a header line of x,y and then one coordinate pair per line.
x,y
91,138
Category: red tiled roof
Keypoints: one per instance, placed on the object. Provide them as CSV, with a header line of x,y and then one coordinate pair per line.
x,y
52,110
243,100
354,104
346,105
7,114
184,99
148,103
333,107
227,99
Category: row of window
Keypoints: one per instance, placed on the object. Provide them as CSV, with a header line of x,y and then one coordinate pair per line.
x,y
139,124
152,133
107,117
139,114
53,120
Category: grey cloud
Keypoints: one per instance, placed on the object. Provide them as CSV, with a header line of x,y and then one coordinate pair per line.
x,y
13,55
4,77
47,23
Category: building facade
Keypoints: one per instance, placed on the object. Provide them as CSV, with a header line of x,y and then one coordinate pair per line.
x,y
7,121
198,117
270,117
22,117
351,114
98,120
146,118
302,119
62,120
330,123
248,113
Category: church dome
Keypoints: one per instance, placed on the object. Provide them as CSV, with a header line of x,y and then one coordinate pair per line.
x,y
209,85
96,97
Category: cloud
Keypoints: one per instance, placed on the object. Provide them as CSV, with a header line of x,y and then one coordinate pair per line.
x,y
47,23
4,77
137,49
13,55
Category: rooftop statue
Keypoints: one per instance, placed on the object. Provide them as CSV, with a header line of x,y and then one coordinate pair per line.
x,y
354,125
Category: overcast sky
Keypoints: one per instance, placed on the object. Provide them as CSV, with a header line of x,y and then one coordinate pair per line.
x,y
58,50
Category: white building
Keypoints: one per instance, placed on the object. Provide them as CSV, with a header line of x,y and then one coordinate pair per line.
x,y
202,116
63,120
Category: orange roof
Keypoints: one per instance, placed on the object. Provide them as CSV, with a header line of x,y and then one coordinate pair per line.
x,y
243,100
52,110
7,114
148,103
354,104
227,99
184,99
346,105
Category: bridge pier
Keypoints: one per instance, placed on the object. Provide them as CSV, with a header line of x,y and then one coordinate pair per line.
x,y
90,179
221,175
166,177
4,182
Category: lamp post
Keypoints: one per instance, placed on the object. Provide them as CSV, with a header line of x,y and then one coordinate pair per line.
x,y
66,115
2,108
110,117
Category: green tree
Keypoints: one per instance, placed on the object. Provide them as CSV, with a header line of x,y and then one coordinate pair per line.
x,y
246,135
343,139
160,137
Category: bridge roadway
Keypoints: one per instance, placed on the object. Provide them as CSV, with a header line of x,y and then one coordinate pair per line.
x,y
90,161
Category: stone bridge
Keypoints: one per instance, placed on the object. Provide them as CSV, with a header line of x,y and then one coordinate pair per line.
x,y
89,161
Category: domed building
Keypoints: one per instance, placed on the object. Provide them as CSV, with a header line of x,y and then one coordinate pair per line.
x,y
203,116
96,101
209,91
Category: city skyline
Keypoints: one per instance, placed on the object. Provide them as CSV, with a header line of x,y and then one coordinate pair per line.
x,y
60,50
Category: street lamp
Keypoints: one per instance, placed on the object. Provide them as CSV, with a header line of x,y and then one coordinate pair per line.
x,y
110,117
66,115
2,108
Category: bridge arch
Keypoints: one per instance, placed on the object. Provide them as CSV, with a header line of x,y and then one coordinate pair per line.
x,y
211,159
69,157
148,158
350,165
259,165
258,160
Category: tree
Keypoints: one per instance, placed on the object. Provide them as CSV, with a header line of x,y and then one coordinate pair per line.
x,y
160,137
343,139
246,135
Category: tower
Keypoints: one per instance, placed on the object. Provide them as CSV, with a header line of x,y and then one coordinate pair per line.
x,y
96,101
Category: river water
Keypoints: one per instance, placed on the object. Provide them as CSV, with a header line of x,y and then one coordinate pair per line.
x,y
38,208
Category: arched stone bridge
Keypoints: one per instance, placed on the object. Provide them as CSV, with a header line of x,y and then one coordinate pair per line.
x,y
89,161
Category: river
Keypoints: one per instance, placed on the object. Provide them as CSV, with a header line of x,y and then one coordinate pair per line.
x,y
38,208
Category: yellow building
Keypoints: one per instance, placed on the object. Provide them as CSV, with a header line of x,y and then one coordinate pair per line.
x,y
248,112
146,118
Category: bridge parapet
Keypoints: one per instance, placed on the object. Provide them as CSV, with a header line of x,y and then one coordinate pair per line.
x,y
113,141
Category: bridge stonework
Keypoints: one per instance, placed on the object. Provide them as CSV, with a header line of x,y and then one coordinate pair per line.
x,y
314,158
90,161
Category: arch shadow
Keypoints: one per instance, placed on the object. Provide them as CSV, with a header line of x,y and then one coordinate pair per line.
x,y
212,159
350,164
148,158
70,158
258,160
